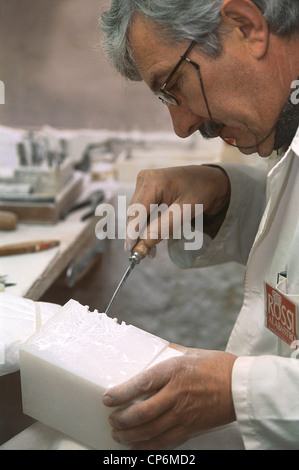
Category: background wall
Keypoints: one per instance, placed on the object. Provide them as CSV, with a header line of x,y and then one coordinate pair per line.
x,y
56,73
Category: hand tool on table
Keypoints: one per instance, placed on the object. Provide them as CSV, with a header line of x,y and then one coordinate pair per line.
x,y
22,154
78,268
4,284
93,200
27,247
139,252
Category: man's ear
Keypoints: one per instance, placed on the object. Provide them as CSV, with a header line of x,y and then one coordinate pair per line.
x,y
248,18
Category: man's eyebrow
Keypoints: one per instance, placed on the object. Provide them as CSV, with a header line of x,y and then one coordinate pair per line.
x,y
157,79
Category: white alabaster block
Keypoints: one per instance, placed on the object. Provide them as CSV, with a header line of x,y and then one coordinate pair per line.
x,y
72,360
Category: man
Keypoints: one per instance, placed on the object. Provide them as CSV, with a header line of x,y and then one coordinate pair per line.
x,y
227,68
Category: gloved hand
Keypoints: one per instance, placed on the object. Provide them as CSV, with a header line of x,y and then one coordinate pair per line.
x,y
194,184
185,395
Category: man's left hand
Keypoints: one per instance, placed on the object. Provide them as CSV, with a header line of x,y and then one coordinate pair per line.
x,y
175,400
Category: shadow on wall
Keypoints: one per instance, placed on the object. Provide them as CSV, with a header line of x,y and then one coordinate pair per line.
x,y
55,72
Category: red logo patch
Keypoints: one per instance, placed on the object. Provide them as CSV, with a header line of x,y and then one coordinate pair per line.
x,y
281,315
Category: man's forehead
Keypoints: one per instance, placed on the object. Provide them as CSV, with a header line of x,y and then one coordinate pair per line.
x,y
143,29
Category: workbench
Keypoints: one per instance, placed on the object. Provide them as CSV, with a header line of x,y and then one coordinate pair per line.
x,y
34,273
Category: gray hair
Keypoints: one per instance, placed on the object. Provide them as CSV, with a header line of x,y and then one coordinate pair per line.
x,y
178,20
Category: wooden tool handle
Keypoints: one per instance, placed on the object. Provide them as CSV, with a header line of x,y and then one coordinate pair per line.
x,y
141,248
27,247
8,220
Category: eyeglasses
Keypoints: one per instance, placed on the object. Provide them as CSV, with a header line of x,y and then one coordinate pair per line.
x,y
167,97
164,95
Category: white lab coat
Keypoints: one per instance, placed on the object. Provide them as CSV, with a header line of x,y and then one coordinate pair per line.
x,y
265,381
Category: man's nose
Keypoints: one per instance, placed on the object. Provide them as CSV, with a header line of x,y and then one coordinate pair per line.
x,y
184,121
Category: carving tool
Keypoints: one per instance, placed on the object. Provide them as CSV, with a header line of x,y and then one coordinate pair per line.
x,y
76,270
4,284
93,200
139,252
22,154
27,247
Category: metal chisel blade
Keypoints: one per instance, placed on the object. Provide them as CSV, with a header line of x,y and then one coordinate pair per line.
x,y
140,251
123,280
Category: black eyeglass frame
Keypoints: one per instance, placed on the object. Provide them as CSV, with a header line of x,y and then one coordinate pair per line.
x,y
164,95
167,97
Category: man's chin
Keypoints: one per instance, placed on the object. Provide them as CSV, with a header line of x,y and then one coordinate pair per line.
x,y
266,149
246,150
263,149
265,154
262,152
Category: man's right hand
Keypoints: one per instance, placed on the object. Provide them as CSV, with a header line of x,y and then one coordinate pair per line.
x,y
196,184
